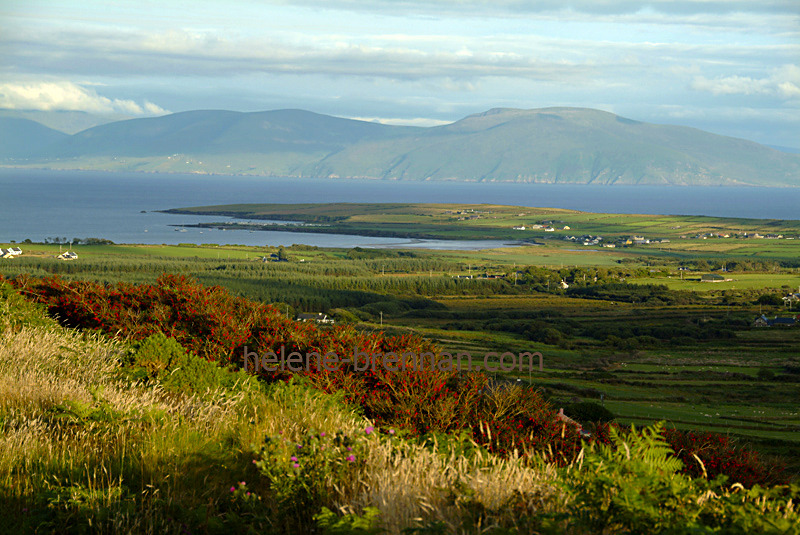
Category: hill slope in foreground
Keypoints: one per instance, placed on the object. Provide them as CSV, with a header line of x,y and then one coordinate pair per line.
x,y
550,145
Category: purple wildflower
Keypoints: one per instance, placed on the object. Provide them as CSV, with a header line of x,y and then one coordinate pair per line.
x,y
351,458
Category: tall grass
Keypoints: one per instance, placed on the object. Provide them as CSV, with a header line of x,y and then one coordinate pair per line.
x,y
80,446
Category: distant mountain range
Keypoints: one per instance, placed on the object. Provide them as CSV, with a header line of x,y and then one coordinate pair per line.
x,y
555,145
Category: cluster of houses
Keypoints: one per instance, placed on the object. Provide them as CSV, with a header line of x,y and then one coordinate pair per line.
x,y
709,235
640,240
586,239
547,227
67,255
10,253
484,276
467,214
744,235
764,236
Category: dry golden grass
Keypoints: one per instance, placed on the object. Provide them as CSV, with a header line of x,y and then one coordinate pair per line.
x,y
413,485
72,431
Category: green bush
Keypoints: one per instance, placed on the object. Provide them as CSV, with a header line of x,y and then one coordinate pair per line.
x,y
770,300
634,485
342,315
765,374
16,311
163,359
307,475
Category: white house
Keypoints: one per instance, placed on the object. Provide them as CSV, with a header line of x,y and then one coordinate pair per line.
x,y
318,317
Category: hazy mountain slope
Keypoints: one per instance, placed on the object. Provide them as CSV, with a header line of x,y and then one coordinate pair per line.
x,y
222,132
67,121
567,145
19,138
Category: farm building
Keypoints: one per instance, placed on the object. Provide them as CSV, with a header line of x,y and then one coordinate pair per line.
x,y
763,321
317,317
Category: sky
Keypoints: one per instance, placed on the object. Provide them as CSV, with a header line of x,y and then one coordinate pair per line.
x,y
729,67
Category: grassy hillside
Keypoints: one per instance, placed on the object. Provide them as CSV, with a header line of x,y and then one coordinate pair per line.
x,y
563,145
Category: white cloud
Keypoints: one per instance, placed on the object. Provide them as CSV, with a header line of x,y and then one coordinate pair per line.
x,y
783,82
65,95
526,6
789,90
416,121
731,85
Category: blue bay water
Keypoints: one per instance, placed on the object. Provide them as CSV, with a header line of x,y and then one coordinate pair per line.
x,y
38,204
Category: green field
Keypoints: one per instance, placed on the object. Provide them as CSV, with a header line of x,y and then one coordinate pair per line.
x,y
741,281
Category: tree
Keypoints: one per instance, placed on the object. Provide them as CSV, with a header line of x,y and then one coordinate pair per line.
x,y
770,300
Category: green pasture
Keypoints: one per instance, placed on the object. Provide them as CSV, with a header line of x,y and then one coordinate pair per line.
x,y
739,281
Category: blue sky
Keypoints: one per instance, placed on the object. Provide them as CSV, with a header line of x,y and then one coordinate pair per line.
x,y
730,67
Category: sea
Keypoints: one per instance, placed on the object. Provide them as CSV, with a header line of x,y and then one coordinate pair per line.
x,y
124,207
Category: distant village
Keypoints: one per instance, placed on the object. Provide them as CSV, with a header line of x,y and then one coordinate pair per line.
x,y
589,240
